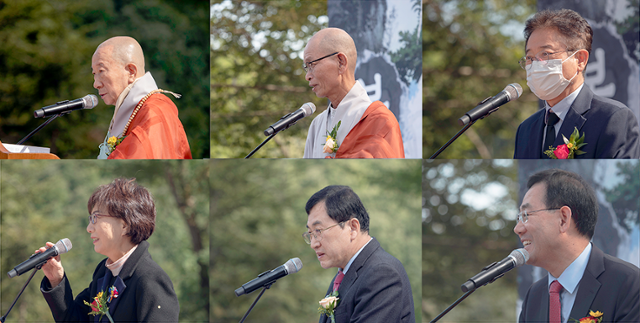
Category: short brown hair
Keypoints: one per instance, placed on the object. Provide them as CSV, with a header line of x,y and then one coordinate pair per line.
x,y
126,200
575,30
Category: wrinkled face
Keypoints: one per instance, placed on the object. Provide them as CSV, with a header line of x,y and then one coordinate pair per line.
x,y
331,248
549,40
323,75
109,75
539,235
108,233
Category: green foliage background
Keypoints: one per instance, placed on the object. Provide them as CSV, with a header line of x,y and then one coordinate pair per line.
x,y
47,201
45,57
466,58
257,76
258,217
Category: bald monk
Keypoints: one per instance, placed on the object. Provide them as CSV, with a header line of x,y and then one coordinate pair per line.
x,y
366,129
145,122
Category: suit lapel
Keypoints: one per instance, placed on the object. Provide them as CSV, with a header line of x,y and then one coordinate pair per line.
x,y
352,275
575,116
537,129
120,287
589,284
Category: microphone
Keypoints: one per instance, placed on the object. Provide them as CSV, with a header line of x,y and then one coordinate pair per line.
x,y
269,277
290,119
38,259
494,271
487,106
66,106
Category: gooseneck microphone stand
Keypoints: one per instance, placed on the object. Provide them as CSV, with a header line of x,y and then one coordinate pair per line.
x,y
2,319
39,128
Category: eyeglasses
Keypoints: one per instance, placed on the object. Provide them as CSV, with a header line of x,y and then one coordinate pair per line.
x,y
524,215
94,217
309,66
543,57
317,233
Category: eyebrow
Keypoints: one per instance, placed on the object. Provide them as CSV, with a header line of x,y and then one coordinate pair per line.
x,y
545,47
524,206
315,223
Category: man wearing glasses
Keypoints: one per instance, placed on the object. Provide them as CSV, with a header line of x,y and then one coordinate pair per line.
x,y
372,285
557,48
557,219
352,126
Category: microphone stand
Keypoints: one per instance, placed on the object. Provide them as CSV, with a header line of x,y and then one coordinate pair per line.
x,y
257,298
2,319
38,129
452,306
262,144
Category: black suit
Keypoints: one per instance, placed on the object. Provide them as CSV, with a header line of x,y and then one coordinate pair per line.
x,y
610,128
146,293
609,285
375,289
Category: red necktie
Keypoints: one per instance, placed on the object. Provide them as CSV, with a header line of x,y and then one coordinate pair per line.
x,y
338,280
554,302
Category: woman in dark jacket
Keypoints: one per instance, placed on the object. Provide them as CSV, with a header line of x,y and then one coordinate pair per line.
x,y
121,218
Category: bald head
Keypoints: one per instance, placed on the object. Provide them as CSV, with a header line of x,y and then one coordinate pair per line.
x,y
331,40
124,50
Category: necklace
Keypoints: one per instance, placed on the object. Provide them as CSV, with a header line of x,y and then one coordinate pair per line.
x,y
135,111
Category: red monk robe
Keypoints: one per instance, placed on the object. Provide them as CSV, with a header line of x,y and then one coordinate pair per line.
x,y
154,133
376,135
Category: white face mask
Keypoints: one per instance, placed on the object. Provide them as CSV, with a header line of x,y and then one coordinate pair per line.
x,y
545,78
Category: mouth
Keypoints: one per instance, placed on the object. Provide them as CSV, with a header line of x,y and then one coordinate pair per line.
x,y
94,239
313,86
319,254
526,243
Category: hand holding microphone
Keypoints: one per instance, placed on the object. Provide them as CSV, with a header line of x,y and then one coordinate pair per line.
x,y
50,254
52,269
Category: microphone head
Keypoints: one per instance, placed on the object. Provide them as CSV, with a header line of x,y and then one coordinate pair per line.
x,y
521,256
64,245
308,108
513,90
294,264
89,101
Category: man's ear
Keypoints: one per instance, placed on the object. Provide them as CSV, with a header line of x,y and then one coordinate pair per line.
x,y
565,219
132,72
343,63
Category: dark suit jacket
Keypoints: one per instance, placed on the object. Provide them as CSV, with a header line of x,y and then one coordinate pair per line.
x,y
146,293
609,285
611,129
375,289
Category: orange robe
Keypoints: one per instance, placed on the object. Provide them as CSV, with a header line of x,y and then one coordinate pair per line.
x,y
154,133
376,135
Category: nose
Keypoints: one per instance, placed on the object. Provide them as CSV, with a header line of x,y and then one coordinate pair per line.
x,y
90,227
315,243
519,229
96,84
307,75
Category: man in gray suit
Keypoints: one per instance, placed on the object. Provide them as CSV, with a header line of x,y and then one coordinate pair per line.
x,y
372,285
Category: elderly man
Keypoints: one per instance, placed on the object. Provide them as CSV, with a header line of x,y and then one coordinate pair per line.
x,y
145,123
557,219
371,285
352,126
558,44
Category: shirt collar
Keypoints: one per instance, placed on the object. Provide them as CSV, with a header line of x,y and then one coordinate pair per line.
x,y
346,268
562,107
571,276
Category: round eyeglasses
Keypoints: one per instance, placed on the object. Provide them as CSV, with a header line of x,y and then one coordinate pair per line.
x,y
317,233
542,57
524,215
309,66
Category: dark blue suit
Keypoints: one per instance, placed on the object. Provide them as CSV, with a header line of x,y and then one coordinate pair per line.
x,y
610,128
375,289
609,285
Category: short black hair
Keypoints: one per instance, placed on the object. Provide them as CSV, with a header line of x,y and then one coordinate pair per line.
x,y
574,29
567,188
342,204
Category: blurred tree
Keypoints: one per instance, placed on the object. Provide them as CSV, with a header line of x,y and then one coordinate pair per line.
x,y
47,200
623,197
46,57
469,53
257,75
468,213
258,217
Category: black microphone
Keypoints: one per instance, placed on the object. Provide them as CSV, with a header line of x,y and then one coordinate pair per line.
x,y
494,271
290,119
269,277
62,246
87,102
486,107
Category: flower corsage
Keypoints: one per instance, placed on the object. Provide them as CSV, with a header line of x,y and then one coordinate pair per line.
x,y
570,149
331,144
113,142
594,317
328,304
99,304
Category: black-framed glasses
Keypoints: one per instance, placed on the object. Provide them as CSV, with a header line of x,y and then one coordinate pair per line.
x,y
94,217
309,66
543,57
317,233
524,215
